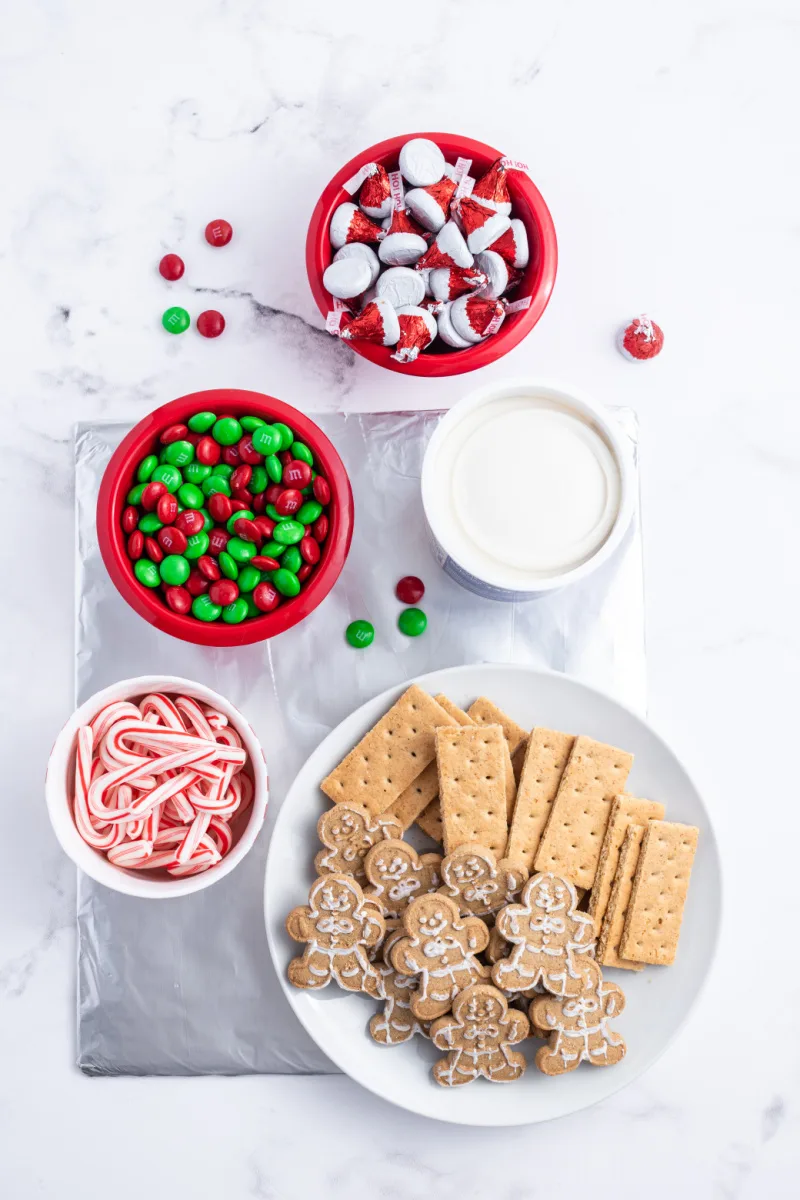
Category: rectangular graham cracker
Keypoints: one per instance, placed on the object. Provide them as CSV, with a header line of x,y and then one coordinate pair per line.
x,y
431,821
595,773
655,911
391,755
472,788
545,759
484,712
625,810
411,803
607,952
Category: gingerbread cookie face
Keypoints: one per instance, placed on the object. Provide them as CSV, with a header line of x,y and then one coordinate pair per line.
x,y
548,937
478,1036
439,948
339,926
347,833
478,883
397,875
397,1023
577,1026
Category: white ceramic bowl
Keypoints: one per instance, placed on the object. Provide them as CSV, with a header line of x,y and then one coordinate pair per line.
x,y
59,786
494,584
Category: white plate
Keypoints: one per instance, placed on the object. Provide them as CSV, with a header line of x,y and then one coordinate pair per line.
x,y
659,998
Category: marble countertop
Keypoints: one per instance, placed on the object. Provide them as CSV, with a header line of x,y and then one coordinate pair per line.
x,y
662,139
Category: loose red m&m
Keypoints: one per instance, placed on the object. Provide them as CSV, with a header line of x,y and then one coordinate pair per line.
x,y
226,520
171,267
410,589
219,232
210,323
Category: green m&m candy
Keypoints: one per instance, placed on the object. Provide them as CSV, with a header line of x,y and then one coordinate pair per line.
x,y
259,480
204,608
169,475
266,440
201,422
146,468
240,550
179,453
286,582
308,512
237,516
223,470
228,566
174,570
412,622
207,522
274,468
190,495
135,494
150,523
216,483
273,513
197,545
300,450
226,431
236,612
287,437
195,472
272,549
292,559
147,573
288,532
360,634
252,608
176,320
248,578
251,424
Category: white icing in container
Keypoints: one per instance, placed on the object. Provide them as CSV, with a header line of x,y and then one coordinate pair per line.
x,y
526,487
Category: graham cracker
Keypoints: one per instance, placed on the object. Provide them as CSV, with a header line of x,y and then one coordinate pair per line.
x,y
391,755
425,788
471,761
607,952
431,822
573,837
655,911
484,712
624,811
545,759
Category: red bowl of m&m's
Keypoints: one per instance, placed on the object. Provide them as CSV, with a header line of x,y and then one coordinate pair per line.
x,y
225,517
431,254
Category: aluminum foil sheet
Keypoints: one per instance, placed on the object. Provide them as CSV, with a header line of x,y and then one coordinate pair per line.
x,y
185,986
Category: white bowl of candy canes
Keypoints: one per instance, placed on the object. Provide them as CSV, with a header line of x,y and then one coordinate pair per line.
x,y
156,787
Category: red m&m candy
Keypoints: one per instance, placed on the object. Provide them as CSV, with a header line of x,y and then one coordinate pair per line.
x,y
296,474
171,267
410,589
210,323
219,232
190,521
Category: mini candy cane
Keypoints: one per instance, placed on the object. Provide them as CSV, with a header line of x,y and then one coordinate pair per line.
x,y
157,783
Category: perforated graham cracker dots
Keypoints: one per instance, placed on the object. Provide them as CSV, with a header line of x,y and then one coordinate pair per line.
x,y
573,837
484,712
390,756
614,919
471,764
624,811
655,911
545,759
431,822
425,788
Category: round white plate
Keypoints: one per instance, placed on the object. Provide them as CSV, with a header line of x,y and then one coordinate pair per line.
x,y
659,998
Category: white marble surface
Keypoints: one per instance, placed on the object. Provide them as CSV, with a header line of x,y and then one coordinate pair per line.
x,y
662,137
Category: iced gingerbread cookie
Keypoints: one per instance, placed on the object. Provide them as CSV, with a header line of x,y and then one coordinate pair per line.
x,y
347,833
549,938
397,1022
478,1036
397,874
339,926
577,1026
477,882
440,948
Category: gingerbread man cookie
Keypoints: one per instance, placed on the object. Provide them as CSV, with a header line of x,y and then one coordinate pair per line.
x,y
440,948
477,882
347,833
578,1025
397,874
478,1036
547,934
339,926
396,1023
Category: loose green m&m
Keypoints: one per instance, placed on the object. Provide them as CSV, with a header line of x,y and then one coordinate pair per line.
x,y
286,582
274,468
412,622
169,475
266,440
226,431
249,577
150,523
228,566
250,424
236,612
147,573
204,608
292,559
259,481
308,512
301,451
146,468
135,494
287,436
360,634
201,422
195,472
190,496
174,570
288,533
216,483
179,453
196,545
176,320
240,550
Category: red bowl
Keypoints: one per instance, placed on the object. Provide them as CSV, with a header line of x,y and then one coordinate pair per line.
x,y
537,281
119,478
